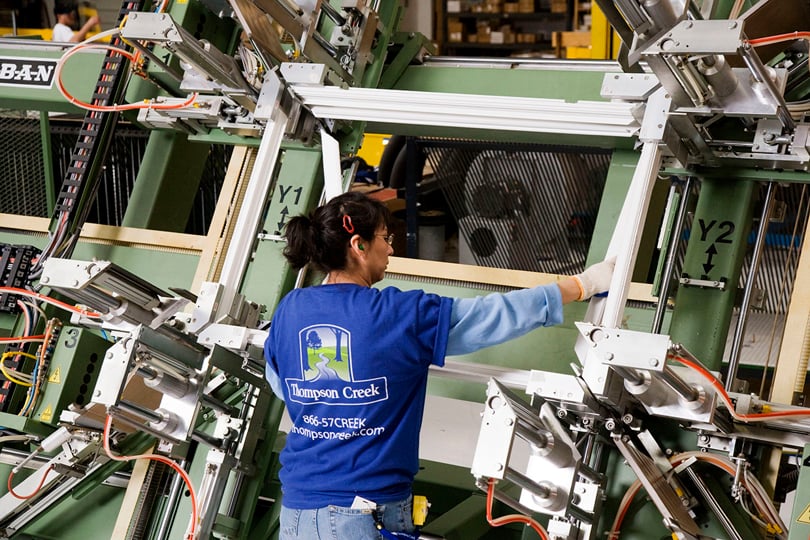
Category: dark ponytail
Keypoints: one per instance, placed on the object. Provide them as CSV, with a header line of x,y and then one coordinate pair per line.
x,y
322,237
300,241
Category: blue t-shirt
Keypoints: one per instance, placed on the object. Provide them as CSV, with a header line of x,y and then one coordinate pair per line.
x,y
353,364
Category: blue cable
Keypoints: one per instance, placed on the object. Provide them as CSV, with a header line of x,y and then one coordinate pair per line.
x,y
388,535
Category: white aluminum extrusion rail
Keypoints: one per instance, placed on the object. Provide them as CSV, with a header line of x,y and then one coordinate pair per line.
x,y
472,111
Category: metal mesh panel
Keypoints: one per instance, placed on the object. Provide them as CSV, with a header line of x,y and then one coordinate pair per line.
x,y
518,207
22,170
783,243
121,169
118,174
21,166
219,155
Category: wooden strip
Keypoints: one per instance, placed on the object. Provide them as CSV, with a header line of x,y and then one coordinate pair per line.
x,y
221,227
120,236
791,366
641,292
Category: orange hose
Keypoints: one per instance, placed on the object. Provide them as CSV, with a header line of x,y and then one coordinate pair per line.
x,y
49,300
36,490
779,38
110,108
512,518
754,417
162,459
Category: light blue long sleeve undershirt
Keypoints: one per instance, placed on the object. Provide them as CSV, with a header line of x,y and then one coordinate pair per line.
x,y
484,321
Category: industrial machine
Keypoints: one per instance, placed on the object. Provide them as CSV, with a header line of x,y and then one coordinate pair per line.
x,y
132,398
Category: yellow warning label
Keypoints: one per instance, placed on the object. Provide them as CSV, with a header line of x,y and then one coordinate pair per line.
x,y
804,517
47,414
55,377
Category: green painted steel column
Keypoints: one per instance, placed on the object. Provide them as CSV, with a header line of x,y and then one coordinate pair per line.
x,y
717,246
297,190
170,173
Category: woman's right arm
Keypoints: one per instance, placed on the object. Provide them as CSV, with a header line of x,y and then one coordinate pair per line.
x,y
488,320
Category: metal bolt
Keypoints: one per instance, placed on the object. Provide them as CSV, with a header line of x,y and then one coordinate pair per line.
x,y
627,418
509,421
45,279
733,25
609,356
653,362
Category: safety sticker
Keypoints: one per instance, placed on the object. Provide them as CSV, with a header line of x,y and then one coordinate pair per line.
x,y
55,377
804,517
47,414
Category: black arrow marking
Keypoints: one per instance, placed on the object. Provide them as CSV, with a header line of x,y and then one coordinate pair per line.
x,y
711,252
283,219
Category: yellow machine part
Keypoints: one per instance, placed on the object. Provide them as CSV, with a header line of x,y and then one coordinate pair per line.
x,y
372,148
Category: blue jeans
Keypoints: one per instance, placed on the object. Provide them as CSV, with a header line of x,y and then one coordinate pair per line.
x,y
342,523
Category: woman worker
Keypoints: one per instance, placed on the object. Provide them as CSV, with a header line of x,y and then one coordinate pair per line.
x,y
351,363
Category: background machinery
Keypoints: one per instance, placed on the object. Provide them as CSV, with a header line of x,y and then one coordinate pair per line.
x,y
132,397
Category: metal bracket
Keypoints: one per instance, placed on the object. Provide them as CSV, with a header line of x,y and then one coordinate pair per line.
x,y
704,283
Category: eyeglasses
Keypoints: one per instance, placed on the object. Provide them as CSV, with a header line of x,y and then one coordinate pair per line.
x,y
389,238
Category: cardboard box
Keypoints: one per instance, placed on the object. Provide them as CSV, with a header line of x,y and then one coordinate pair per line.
x,y
483,33
511,7
453,6
496,37
559,6
493,6
454,25
526,6
455,37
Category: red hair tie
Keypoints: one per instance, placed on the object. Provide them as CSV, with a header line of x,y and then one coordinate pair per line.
x,y
347,224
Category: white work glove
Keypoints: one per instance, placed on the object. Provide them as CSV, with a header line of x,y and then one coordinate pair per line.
x,y
596,278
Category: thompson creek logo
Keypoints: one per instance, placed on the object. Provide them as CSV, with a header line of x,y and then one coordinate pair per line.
x,y
28,72
326,371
